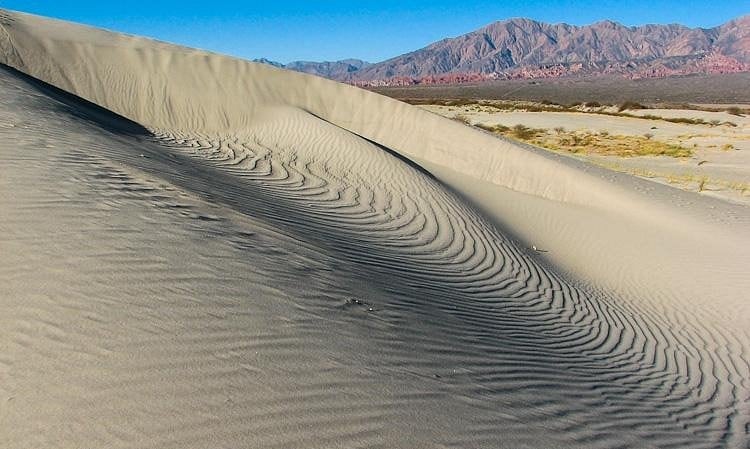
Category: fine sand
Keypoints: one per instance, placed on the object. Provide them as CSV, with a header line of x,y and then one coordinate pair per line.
x,y
199,251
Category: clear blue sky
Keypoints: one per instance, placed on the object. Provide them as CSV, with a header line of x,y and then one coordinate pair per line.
x,y
286,30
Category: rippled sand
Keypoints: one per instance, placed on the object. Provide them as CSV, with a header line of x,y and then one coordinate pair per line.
x,y
217,253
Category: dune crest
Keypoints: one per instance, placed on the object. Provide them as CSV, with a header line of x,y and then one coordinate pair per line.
x,y
278,260
171,87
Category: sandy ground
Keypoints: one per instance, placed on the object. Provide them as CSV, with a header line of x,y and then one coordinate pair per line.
x,y
200,251
721,153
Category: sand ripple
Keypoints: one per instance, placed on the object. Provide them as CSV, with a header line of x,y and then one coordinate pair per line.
x,y
293,284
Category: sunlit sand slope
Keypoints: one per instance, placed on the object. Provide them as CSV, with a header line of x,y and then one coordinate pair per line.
x,y
223,254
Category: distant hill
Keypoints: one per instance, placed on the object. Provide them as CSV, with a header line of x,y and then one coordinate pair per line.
x,y
524,48
334,70
338,70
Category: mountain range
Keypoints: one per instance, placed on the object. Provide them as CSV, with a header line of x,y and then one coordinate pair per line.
x,y
524,48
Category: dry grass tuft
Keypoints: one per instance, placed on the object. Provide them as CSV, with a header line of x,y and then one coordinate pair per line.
x,y
498,129
462,118
602,143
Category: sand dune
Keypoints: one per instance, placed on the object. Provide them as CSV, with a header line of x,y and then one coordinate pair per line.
x,y
217,253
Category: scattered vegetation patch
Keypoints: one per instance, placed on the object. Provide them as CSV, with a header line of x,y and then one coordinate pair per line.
x,y
492,105
522,132
498,129
459,102
585,142
548,106
685,120
627,105
734,110
630,105
689,181
462,118
613,145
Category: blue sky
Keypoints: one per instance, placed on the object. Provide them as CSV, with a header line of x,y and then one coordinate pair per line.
x,y
286,30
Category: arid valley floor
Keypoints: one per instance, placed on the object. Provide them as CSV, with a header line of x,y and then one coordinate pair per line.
x,y
703,149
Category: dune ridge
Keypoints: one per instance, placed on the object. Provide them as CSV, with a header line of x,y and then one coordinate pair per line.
x,y
178,88
420,322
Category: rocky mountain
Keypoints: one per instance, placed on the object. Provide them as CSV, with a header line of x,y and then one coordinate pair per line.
x,y
524,48
269,62
335,69
339,70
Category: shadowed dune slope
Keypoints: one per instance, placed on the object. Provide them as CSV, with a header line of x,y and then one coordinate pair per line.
x,y
200,251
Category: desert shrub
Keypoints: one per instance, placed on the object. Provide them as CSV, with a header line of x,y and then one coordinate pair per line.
x,y
523,132
630,105
691,121
438,102
648,136
734,110
462,118
685,120
459,102
499,129
559,129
